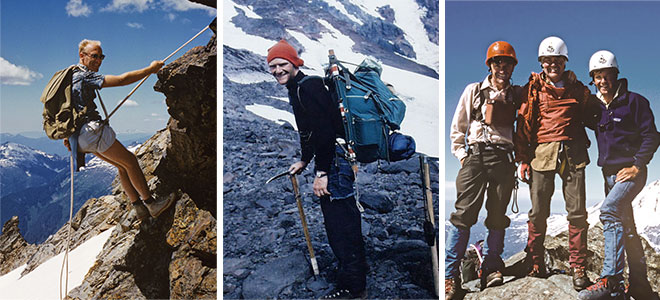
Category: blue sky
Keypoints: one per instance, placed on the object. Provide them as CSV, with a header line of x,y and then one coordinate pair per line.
x,y
628,29
38,38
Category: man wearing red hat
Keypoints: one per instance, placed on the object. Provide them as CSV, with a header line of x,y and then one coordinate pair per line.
x,y
319,124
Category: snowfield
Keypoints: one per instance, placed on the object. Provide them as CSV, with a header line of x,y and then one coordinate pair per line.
x,y
42,282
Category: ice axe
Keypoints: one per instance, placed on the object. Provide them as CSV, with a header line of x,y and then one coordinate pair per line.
x,y
296,192
212,26
429,223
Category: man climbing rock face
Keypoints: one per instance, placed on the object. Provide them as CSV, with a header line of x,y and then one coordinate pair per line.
x,y
96,136
319,125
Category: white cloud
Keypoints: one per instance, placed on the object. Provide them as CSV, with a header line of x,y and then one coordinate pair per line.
x,y
129,5
154,115
170,17
76,8
129,102
11,74
135,25
184,5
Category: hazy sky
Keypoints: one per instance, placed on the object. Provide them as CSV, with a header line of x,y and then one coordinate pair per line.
x,y
39,38
627,29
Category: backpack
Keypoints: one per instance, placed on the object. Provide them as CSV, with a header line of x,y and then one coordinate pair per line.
x,y
370,112
59,113
471,262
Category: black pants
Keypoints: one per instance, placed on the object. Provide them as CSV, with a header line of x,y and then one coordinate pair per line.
x,y
343,225
488,172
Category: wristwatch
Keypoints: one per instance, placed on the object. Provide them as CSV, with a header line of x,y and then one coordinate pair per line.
x,y
320,174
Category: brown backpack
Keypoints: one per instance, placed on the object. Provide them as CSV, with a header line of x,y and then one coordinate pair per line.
x,y
59,112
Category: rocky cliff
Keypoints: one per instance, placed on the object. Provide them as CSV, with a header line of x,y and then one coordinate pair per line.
x,y
559,285
173,256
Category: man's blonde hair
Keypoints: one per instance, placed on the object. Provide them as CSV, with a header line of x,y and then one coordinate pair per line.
x,y
86,42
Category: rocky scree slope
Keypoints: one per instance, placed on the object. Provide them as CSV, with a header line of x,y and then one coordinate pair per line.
x,y
265,254
173,256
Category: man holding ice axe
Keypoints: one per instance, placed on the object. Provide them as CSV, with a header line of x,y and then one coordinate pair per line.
x,y
319,125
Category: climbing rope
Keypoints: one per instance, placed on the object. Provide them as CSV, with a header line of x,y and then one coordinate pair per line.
x,y
65,260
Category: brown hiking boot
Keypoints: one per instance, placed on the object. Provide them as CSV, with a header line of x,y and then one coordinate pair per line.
x,y
538,271
453,289
141,211
158,207
580,279
492,279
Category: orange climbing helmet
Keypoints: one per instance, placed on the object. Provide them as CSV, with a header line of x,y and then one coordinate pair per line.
x,y
500,48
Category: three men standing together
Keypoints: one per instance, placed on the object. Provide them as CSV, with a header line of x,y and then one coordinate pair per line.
x,y
550,138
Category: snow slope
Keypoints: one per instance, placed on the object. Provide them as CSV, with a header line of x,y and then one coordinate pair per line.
x,y
42,282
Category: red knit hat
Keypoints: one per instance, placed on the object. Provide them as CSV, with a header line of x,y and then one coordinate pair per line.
x,y
283,50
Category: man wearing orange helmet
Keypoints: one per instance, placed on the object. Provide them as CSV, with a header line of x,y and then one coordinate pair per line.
x,y
551,139
482,140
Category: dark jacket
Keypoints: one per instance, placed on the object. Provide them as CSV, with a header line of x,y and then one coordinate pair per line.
x,y
625,131
317,117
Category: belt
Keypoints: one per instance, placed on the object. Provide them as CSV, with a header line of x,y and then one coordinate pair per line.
x,y
483,147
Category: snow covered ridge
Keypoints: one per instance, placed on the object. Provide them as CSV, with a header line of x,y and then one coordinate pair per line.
x,y
12,153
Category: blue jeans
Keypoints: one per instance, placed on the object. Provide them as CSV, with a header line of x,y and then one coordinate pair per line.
x,y
456,244
343,225
340,177
619,230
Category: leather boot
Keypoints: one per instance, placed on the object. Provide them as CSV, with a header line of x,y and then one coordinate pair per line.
x,y
453,289
580,279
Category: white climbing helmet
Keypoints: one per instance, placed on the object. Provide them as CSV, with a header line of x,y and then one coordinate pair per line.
x,y
602,59
553,46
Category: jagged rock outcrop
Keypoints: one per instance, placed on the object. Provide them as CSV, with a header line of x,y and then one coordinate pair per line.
x,y
558,286
14,250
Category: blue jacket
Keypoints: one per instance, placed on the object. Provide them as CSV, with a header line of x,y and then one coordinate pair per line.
x,y
625,131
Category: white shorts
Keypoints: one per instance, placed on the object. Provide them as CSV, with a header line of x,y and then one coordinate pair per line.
x,y
95,137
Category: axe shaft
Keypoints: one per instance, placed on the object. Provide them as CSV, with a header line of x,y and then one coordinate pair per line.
x,y
296,191
428,204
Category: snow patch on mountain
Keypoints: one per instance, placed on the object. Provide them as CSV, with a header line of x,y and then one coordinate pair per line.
x,y
239,38
249,77
42,282
408,17
341,8
12,154
276,115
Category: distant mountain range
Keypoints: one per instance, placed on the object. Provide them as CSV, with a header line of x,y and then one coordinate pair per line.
x,y
38,140
646,208
35,186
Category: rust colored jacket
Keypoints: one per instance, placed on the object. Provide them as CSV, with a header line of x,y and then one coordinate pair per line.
x,y
550,114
